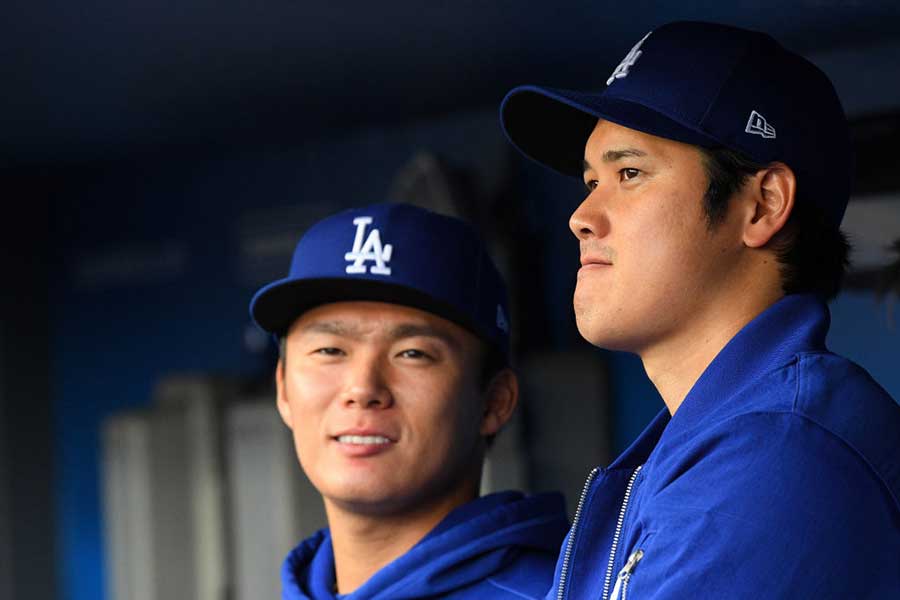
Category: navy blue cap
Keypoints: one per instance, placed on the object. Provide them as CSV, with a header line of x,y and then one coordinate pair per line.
x,y
704,84
396,253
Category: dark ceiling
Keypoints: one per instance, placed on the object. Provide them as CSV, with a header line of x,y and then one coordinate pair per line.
x,y
98,79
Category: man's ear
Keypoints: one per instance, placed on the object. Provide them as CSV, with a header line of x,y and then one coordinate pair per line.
x,y
501,398
770,197
281,401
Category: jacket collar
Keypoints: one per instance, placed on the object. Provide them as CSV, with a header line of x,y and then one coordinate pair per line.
x,y
472,543
796,323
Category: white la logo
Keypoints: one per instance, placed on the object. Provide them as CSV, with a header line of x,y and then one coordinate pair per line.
x,y
627,62
371,250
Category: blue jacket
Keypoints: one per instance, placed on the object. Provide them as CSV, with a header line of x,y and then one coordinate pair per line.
x,y
499,546
778,477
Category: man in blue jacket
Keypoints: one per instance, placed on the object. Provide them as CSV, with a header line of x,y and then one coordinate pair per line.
x,y
394,378
718,167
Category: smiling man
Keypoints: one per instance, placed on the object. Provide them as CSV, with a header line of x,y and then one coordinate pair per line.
x,y
718,167
394,378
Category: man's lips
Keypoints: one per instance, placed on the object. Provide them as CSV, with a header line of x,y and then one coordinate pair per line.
x,y
595,260
593,264
366,440
363,443
364,437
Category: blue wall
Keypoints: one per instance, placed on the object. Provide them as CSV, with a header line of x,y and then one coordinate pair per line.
x,y
866,329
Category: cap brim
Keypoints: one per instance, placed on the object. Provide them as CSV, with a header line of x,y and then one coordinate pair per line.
x,y
276,306
551,126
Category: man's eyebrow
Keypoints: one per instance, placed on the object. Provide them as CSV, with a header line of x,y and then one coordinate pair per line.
x,y
614,155
401,331
408,330
339,328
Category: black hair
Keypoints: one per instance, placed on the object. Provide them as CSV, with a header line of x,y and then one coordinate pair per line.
x,y
492,363
812,253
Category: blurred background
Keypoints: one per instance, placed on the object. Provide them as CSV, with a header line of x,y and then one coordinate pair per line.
x,y
159,162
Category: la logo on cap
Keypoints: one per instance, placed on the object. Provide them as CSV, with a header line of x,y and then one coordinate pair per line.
x,y
372,250
627,62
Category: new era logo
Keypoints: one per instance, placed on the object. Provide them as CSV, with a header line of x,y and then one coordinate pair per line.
x,y
757,125
372,250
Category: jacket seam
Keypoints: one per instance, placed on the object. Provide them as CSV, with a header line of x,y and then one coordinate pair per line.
x,y
821,427
845,442
496,583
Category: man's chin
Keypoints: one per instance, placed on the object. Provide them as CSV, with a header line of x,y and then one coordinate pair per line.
x,y
590,329
596,331
361,502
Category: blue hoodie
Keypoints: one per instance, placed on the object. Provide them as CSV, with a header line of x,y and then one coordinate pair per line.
x,y
501,546
777,477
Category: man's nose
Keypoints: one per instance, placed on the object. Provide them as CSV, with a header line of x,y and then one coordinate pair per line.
x,y
366,385
590,218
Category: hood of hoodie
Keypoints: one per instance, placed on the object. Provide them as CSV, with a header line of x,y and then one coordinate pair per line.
x,y
472,543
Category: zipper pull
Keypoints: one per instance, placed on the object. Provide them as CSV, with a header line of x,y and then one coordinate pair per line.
x,y
625,574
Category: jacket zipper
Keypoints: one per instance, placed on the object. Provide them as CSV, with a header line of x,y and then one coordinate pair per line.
x,y
625,575
618,533
567,555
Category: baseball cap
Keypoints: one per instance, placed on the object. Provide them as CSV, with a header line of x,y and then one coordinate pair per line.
x,y
705,84
396,253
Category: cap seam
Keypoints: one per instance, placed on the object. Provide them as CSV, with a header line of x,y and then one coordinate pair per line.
x,y
725,80
678,119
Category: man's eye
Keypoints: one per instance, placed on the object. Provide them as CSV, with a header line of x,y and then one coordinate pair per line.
x,y
591,185
415,354
628,173
329,351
